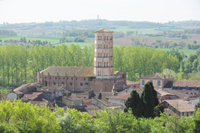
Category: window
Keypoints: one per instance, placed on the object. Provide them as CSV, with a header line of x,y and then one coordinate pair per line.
x,y
70,83
55,77
150,80
76,78
71,78
159,83
63,78
107,64
81,84
54,83
63,83
50,77
100,73
45,77
143,82
107,37
99,37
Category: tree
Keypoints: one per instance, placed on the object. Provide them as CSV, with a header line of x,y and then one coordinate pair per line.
x,y
198,52
197,106
134,102
158,110
168,72
183,36
149,100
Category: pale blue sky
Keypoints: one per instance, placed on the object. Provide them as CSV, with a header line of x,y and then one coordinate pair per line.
x,y
17,11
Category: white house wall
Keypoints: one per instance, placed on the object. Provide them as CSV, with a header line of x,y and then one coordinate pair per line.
x,y
12,96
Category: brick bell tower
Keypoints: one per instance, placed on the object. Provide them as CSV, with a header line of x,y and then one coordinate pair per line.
x,y
103,59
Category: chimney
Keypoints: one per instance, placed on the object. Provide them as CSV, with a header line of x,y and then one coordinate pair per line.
x,y
11,89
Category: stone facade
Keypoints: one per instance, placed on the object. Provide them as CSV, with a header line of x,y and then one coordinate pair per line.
x,y
99,78
159,81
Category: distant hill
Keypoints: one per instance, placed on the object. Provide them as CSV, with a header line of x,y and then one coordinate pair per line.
x,y
55,28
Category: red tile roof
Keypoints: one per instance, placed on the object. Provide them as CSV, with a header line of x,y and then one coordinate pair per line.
x,y
184,83
155,76
70,71
121,96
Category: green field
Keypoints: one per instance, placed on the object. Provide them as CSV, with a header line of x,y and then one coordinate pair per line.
x,y
140,31
53,40
186,51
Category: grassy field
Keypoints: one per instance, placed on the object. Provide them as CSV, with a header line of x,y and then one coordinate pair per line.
x,y
53,40
187,52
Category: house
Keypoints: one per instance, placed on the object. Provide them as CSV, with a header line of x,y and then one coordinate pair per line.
x,y
159,81
186,85
24,89
130,89
178,93
35,96
50,93
133,84
179,107
103,103
164,95
194,102
119,99
13,95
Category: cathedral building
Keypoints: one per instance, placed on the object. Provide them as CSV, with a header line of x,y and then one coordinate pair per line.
x,y
100,78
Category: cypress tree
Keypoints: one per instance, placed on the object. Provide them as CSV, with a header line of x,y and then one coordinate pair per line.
x,y
149,100
134,102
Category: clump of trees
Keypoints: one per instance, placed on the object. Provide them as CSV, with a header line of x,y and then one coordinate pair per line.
x,y
82,32
19,117
141,61
8,32
145,106
18,64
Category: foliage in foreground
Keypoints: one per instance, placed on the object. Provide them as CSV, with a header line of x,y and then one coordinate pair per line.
x,y
21,117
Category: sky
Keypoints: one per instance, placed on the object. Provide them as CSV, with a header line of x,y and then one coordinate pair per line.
x,y
26,11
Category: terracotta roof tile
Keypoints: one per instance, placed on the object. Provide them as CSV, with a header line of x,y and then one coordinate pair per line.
x,y
181,105
178,93
70,71
184,83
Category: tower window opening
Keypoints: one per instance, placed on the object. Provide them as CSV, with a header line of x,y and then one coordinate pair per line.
x,y
107,37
